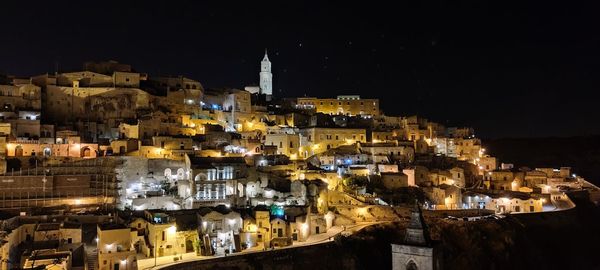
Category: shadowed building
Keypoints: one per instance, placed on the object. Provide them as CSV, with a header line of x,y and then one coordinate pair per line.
x,y
417,251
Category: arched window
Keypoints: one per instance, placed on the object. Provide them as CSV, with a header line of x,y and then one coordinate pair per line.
x,y
47,152
411,265
86,152
200,177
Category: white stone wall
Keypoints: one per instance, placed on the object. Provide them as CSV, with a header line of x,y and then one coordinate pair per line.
x,y
402,255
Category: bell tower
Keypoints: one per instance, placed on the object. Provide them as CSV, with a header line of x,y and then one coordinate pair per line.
x,y
266,77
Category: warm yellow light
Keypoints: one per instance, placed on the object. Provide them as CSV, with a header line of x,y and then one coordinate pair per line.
x,y
252,228
172,229
447,201
77,202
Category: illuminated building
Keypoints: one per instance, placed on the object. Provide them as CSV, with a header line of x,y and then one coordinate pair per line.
x,y
344,105
115,247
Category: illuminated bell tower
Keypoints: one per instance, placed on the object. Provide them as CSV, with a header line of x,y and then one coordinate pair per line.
x,y
266,77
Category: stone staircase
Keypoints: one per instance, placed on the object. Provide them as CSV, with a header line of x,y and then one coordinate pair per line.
x,y
92,257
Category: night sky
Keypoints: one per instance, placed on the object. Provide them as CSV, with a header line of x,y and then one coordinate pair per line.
x,y
507,69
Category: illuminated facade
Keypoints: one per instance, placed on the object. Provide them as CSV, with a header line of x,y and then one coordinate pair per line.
x,y
266,77
214,180
345,105
316,140
287,144
115,249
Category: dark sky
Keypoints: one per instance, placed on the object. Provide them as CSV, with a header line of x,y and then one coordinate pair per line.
x,y
507,69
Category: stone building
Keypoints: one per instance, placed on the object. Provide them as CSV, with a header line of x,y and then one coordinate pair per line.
x,y
115,247
287,144
418,251
214,180
346,105
316,140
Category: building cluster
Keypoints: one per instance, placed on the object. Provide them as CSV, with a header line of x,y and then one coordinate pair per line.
x,y
214,171
43,242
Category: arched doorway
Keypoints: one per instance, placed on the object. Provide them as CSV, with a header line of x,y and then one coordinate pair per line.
x,y
168,174
180,173
189,245
47,152
411,265
19,151
86,152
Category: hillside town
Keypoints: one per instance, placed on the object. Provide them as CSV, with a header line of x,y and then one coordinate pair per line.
x,y
109,168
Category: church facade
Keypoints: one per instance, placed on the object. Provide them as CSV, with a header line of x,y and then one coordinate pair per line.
x,y
417,251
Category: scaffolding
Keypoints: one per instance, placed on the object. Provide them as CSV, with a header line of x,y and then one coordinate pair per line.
x,y
103,189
